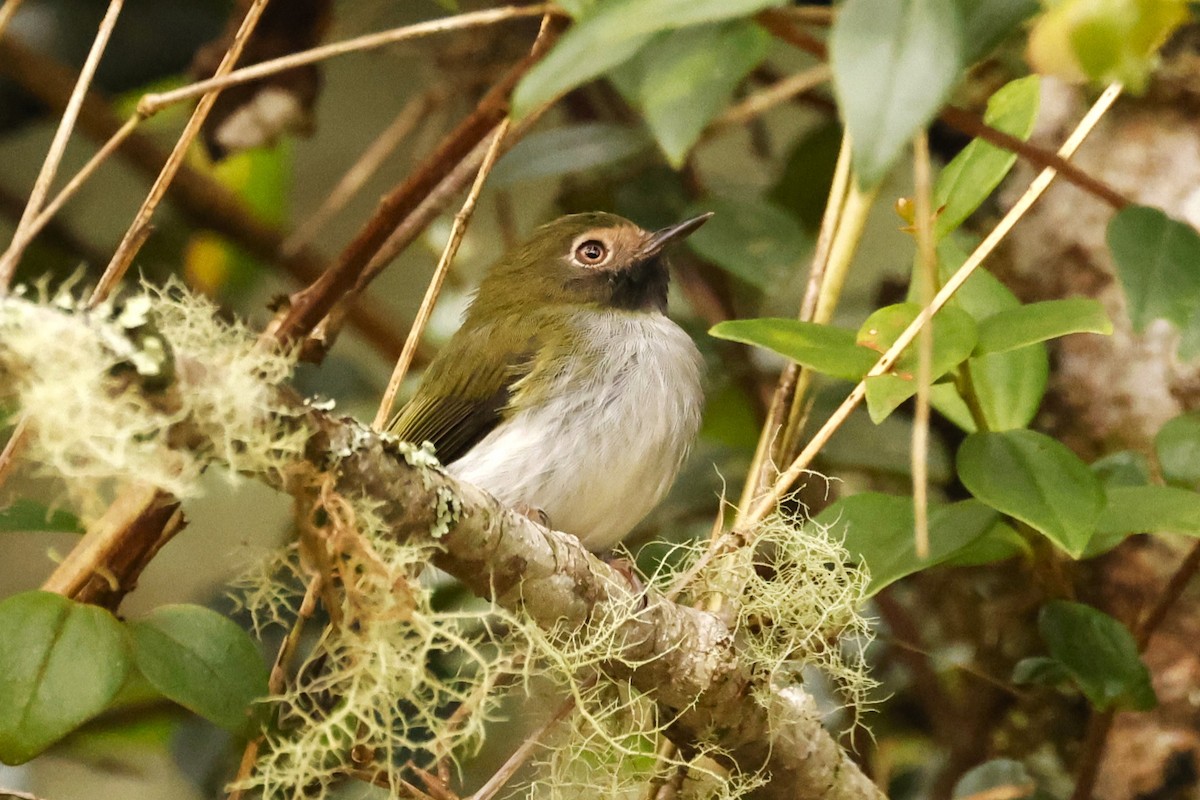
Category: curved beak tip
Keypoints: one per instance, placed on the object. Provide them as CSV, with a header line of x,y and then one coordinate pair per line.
x,y
672,233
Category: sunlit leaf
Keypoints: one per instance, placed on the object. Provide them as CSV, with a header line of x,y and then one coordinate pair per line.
x,y
894,64
953,340
1035,479
822,348
1039,322
61,662
1150,509
973,174
878,530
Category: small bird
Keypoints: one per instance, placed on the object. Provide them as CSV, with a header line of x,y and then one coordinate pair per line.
x,y
567,392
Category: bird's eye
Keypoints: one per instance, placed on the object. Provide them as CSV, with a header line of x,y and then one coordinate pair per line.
x,y
591,252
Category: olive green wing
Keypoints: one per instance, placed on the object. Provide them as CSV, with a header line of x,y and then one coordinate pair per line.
x,y
458,404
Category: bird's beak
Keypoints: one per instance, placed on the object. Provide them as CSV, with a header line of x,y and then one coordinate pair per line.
x,y
661,238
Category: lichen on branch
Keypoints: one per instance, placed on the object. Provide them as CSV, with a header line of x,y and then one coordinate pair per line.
x,y
157,388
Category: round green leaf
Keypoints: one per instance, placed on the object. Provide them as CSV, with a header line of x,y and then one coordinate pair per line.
x,y
201,660
973,174
1178,448
953,341
1035,479
1150,509
610,32
1158,262
1099,654
822,348
878,530
1039,322
61,662
894,64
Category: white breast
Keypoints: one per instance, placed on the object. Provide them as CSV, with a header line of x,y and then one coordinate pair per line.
x,y
604,447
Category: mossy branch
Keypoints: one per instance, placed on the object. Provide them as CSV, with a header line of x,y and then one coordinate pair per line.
x,y
688,660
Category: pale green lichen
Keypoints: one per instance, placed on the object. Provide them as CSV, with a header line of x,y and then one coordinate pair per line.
x,y
87,426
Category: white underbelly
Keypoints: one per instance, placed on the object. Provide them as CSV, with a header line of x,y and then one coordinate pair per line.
x,y
605,445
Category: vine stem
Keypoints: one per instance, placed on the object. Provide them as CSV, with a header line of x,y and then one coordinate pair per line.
x,y
58,145
927,269
1039,185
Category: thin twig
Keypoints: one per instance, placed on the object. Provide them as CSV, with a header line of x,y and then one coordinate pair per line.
x,y
784,483
306,309
129,246
413,112
759,474
764,100
152,103
461,219
927,271
7,11
522,753
12,448
278,678
58,145
973,125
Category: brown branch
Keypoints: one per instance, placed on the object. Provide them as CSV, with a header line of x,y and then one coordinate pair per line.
x,y
201,199
973,125
686,659
306,308
1096,740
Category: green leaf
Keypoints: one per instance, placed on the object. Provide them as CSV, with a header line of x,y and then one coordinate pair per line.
x,y
568,150
973,174
1000,543
878,531
985,24
1150,509
610,32
1158,263
1040,670
894,64
1009,386
822,348
750,239
686,77
26,515
201,660
1122,468
1038,322
953,340
1035,479
1178,448
61,662
1099,654
803,186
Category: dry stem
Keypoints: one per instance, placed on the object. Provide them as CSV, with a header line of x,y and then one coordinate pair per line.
x,y
927,270
58,145
439,276
785,481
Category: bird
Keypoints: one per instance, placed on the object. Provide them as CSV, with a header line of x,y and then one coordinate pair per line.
x,y
567,393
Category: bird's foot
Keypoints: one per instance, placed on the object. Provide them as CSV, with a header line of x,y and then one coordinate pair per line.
x,y
625,566
534,513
